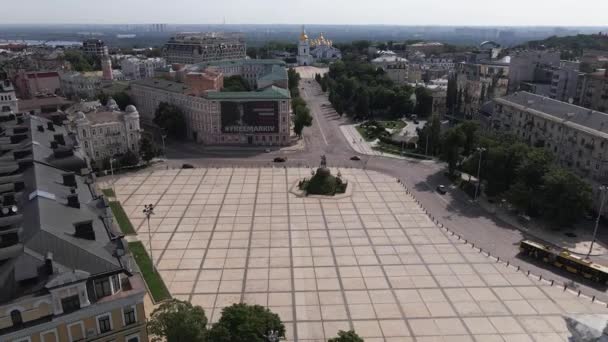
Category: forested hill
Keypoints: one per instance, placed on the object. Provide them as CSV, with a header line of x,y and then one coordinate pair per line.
x,y
573,44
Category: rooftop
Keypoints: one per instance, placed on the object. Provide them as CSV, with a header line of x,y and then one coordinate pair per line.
x,y
270,93
584,118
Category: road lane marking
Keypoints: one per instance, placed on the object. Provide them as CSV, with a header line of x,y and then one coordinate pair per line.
x,y
314,113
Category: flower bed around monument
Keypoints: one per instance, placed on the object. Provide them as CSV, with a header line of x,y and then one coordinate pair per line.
x,y
323,183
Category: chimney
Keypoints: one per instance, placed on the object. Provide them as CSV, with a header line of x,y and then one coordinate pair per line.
x,y
48,263
69,179
49,126
84,230
73,201
59,139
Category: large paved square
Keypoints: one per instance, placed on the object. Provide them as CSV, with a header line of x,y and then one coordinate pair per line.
x,y
373,261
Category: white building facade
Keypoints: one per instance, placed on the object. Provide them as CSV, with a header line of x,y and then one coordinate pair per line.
x,y
106,131
8,98
313,50
136,69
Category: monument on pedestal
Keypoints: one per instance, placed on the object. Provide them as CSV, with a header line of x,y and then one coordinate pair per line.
x,y
323,182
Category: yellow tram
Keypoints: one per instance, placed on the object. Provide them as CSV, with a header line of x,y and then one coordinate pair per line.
x,y
564,259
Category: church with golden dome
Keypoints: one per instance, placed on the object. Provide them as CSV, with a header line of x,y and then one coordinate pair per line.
x,y
316,49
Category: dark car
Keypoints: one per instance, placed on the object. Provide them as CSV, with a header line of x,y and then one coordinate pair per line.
x,y
442,189
187,166
279,160
355,158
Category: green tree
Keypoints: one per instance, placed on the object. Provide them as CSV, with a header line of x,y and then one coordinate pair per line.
x,y
103,98
129,158
565,197
178,321
301,119
424,101
81,62
432,129
172,119
453,140
525,194
235,83
293,78
362,106
245,323
469,128
346,336
122,99
147,150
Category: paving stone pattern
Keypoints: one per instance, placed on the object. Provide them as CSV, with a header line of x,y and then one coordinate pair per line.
x,y
373,262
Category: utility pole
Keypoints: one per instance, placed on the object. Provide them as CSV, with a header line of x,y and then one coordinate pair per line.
x,y
481,150
149,211
597,220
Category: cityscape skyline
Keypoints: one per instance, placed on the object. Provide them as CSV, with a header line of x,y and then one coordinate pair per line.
x,y
384,12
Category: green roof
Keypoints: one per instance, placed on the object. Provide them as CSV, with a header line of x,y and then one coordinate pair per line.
x,y
270,93
240,62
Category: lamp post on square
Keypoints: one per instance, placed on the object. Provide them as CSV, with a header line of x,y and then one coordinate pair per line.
x,y
149,211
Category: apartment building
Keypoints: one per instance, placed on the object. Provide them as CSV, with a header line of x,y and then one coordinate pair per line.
x,y
395,67
577,136
64,267
592,90
197,47
80,85
95,47
135,68
481,81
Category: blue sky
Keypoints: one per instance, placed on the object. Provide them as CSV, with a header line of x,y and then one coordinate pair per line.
x,y
400,12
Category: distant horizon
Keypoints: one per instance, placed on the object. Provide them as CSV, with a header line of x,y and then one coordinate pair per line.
x,y
467,13
605,26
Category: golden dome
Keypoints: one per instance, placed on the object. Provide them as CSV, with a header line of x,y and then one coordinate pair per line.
x,y
303,36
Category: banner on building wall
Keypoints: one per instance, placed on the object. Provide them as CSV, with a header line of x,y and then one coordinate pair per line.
x,y
250,117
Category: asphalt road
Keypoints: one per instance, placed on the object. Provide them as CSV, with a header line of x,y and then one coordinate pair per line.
x,y
454,209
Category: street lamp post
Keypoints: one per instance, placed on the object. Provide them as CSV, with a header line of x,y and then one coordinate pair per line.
x,y
112,160
163,137
149,211
426,147
597,220
481,150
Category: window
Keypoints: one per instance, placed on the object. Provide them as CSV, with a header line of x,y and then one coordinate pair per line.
x,y
102,287
84,133
70,304
130,316
116,282
104,323
16,317
132,338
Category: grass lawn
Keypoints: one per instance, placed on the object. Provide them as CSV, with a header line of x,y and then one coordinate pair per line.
x,y
108,192
388,148
395,125
121,217
155,283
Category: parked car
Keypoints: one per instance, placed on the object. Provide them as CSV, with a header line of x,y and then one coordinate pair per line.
x,y
355,158
187,166
279,160
267,150
442,189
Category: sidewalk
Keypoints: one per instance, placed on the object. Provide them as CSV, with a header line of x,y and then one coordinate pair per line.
x,y
362,146
578,244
